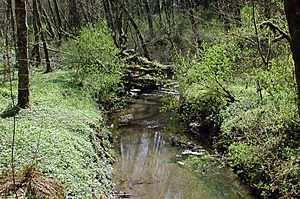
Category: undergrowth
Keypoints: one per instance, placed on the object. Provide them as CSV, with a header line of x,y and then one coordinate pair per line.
x,y
62,133
250,109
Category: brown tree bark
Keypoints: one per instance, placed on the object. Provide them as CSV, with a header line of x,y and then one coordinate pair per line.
x,y
292,11
22,53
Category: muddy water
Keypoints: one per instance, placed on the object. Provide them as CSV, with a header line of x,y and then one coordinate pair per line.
x,y
147,166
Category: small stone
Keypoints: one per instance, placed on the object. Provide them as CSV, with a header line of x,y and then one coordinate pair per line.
x,y
125,119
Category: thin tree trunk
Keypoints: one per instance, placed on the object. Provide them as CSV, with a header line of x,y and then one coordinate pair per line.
x,y
37,34
74,17
109,19
83,9
108,14
139,33
22,53
168,15
259,48
237,14
149,17
40,27
12,21
292,11
194,26
59,22
158,10
47,20
51,10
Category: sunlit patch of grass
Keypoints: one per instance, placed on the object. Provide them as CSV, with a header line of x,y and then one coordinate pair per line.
x,y
58,134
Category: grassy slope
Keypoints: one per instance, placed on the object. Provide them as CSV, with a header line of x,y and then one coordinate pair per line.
x,y
61,126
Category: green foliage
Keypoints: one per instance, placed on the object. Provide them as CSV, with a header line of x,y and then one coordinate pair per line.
x,y
63,132
203,163
250,104
95,59
204,81
261,141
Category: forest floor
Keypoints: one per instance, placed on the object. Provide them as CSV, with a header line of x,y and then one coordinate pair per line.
x,y
63,134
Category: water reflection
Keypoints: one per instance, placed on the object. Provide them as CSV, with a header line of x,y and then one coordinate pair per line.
x,y
147,167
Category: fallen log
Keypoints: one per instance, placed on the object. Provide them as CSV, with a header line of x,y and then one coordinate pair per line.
x,y
142,73
139,63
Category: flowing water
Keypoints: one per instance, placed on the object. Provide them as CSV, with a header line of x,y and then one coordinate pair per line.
x,y
147,166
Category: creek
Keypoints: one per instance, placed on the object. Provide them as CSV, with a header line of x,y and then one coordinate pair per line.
x,y
147,165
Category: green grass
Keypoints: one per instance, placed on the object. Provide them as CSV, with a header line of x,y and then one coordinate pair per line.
x,y
63,131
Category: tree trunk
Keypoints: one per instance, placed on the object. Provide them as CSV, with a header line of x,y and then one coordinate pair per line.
x,y
292,11
108,14
149,17
51,11
12,20
84,13
237,14
40,27
22,53
191,13
50,30
37,34
59,22
139,34
109,20
74,17
158,11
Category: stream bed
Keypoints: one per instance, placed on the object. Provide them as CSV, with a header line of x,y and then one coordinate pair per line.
x,y
147,165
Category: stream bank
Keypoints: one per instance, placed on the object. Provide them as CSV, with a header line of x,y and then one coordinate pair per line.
x,y
63,136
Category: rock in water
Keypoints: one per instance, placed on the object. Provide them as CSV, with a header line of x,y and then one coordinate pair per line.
x,y
125,119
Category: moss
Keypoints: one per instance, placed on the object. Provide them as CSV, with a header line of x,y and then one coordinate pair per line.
x,y
63,132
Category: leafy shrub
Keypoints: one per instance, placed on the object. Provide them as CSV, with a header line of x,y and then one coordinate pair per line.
x,y
95,59
204,82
